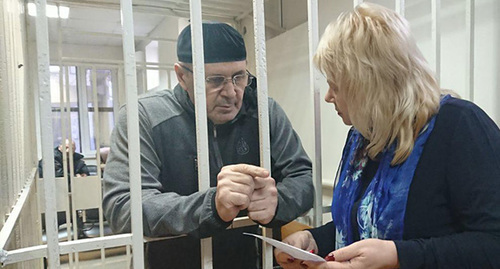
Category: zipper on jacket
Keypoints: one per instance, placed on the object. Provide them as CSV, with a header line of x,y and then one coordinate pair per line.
x,y
218,156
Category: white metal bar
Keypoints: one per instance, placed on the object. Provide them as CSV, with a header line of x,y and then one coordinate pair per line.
x,y
201,117
470,13
97,243
5,107
263,108
42,44
17,156
70,161
314,78
13,190
71,216
133,132
97,135
24,254
117,84
436,36
262,97
66,133
64,118
144,79
400,7
128,256
11,221
40,251
169,80
83,110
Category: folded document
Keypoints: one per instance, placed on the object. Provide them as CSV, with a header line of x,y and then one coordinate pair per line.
x,y
295,252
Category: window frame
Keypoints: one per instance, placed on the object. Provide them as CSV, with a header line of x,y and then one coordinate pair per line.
x,y
82,108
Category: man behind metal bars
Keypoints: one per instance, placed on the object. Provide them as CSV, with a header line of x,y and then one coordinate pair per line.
x,y
172,204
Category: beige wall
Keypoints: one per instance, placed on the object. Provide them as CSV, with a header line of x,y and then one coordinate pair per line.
x,y
288,67
17,136
17,125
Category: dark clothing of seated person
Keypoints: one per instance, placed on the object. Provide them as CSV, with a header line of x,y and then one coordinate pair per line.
x,y
172,202
419,179
80,170
79,167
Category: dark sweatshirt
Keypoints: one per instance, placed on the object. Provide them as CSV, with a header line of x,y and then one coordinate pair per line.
x,y
172,204
453,212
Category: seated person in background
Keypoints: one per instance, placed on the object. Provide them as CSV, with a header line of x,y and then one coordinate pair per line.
x,y
419,180
172,204
80,170
79,166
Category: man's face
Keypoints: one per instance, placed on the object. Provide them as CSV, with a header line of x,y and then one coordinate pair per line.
x,y
223,102
69,148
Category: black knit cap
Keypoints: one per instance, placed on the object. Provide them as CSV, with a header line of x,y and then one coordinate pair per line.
x,y
221,43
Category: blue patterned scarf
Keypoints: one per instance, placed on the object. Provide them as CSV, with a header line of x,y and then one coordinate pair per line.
x,y
382,207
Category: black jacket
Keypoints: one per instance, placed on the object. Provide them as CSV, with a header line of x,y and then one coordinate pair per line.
x,y
78,164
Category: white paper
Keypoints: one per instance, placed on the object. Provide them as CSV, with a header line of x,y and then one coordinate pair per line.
x,y
295,252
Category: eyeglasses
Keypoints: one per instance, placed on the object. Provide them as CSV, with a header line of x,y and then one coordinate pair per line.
x,y
217,82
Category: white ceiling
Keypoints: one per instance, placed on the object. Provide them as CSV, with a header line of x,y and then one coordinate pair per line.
x,y
93,22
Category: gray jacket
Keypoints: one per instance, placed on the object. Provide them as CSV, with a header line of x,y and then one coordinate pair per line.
x,y
172,204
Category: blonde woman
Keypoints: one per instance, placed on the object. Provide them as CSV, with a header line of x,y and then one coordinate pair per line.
x,y
420,173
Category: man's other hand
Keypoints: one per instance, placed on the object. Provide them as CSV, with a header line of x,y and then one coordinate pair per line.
x,y
235,186
264,200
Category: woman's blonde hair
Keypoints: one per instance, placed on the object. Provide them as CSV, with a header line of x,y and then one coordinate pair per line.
x,y
391,92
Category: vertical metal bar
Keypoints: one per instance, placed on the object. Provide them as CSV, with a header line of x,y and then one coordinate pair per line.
x,y
95,103
169,79
66,115
262,95
260,51
128,256
4,108
144,78
470,13
201,116
66,119
68,158
17,154
280,14
133,132
97,134
400,7
315,91
13,188
63,102
14,154
83,110
119,79
436,36
11,193
42,45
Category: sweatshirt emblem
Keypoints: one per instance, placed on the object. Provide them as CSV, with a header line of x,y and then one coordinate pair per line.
x,y
242,147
